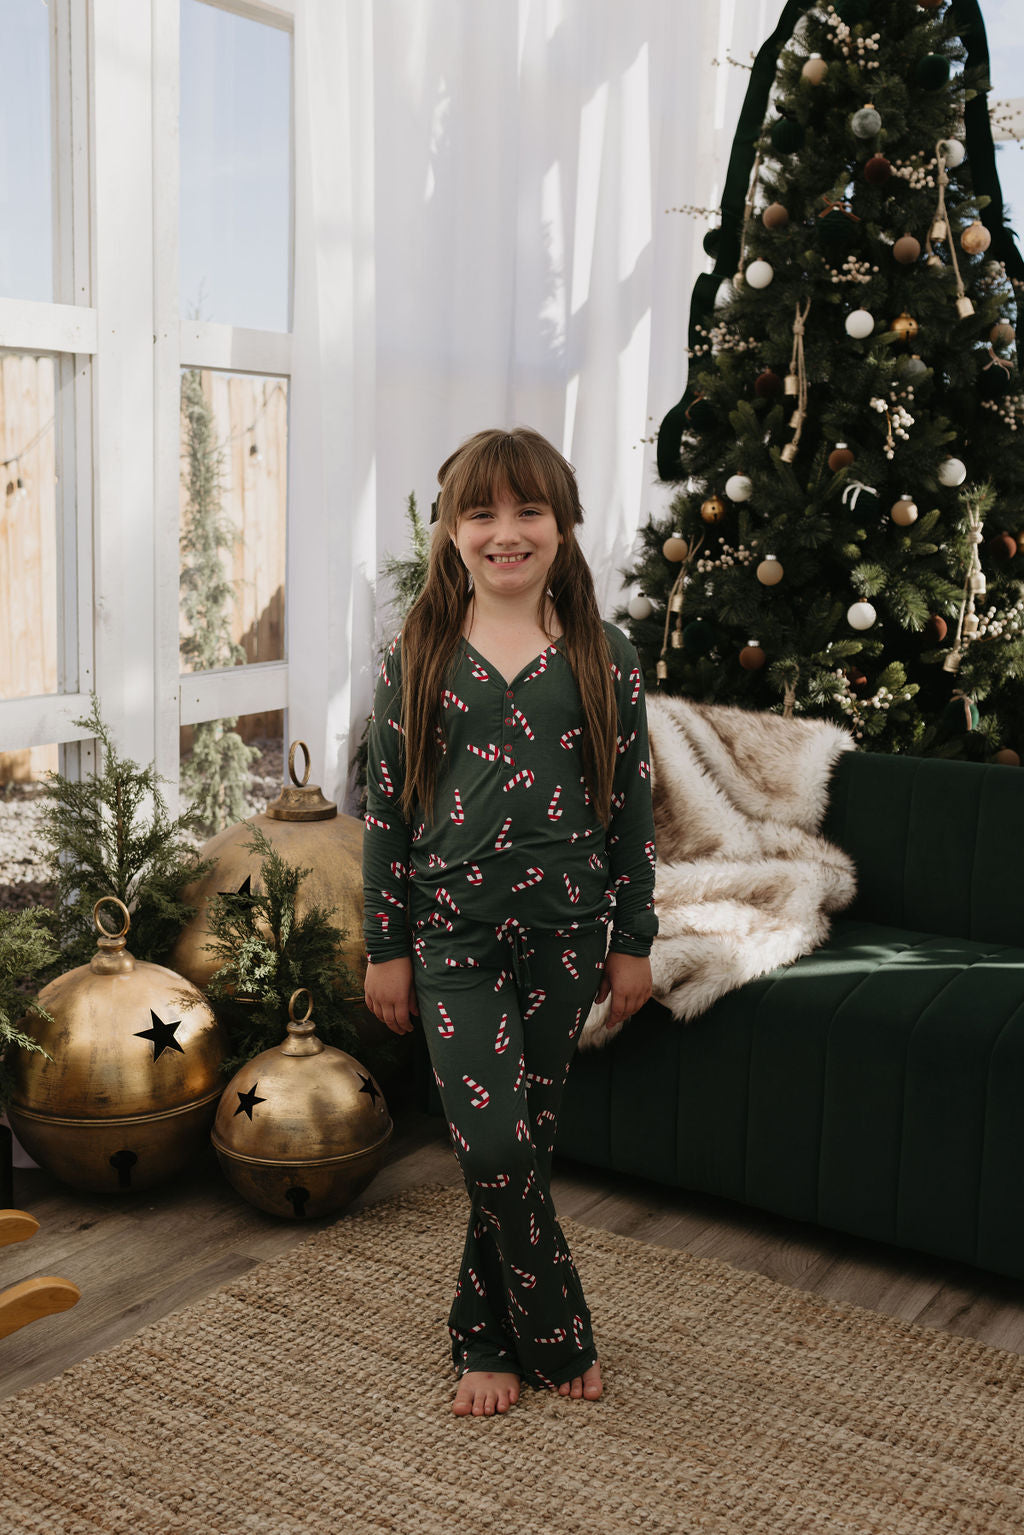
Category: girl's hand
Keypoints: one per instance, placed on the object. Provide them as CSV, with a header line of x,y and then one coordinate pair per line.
x,y
390,994
627,980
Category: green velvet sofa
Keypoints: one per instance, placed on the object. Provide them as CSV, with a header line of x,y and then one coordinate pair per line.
x,y
877,1085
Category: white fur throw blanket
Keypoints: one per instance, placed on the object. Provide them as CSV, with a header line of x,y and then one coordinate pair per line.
x,y
744,882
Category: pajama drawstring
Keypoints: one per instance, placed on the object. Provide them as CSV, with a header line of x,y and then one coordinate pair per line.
x,y
519,954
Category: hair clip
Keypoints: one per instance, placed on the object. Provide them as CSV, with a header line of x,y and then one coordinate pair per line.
x,y
433,511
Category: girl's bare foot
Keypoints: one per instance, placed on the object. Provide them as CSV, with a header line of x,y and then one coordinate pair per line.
x,y
587,1385
482,1393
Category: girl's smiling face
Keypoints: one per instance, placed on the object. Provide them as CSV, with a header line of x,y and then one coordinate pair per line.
x,y
509,547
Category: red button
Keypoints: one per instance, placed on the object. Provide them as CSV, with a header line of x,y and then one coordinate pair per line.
x,y
508,721
510,694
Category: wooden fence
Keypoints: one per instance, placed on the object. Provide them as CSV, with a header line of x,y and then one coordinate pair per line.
x,y
251,423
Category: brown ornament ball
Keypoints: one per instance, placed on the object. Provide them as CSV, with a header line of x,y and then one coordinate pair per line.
x,y
905,326
815,69
769,572
936,629
767,384
1002,334
856,678
975,238
713,509
840,458
877,170
1008,757
907,249
775,216
1003,546
675,549
752,657
903,512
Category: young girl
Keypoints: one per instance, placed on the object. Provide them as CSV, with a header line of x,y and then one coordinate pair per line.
x,y
508,822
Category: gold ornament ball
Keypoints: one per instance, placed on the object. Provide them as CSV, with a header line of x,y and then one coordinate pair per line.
x,y
1008,757
907,249
713,509
815,69
841,457
975,239
769,572
905,326
675,549
903,512
1002,334
752,657
775,216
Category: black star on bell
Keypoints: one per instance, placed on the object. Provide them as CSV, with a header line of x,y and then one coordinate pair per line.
x,y
370,1086
162,1035
247,1101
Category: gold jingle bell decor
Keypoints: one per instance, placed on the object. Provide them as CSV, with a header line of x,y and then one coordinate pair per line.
x,y
129,1092
302,1128
713,509
905,326
305,829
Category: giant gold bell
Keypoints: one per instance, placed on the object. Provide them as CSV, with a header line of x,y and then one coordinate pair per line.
x,y
132,1085
302,1128
307,831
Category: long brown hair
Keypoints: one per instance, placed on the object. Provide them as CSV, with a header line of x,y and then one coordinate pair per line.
x,y
523,464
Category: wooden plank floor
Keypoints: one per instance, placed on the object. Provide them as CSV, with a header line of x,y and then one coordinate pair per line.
x,y
139,1257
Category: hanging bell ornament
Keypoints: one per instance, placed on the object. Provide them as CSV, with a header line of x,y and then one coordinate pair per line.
x,y
970,627
964,307
675,602
677,639
939,230
905,326
675,549
301,1129
976,583
713,509
129,1092
792,384
903,512
306,829
975,238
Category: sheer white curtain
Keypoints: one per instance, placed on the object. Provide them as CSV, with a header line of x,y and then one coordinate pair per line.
x,y
483,238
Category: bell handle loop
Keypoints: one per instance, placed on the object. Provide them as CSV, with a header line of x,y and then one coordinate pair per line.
x,y
299,783
111,900
303,991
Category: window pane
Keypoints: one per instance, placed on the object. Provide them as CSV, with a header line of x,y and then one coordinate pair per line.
x,y
1005,46
29,639
232,769
234,482
1010,169
26,167
235,169
24,880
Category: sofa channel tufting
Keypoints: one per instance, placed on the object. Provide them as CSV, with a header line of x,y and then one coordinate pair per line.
x,y
875,1086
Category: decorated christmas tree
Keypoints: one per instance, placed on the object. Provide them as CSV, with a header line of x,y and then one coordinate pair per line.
x,y
849,447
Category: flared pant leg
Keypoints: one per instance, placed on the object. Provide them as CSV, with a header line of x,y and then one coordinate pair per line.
x,y
502,1012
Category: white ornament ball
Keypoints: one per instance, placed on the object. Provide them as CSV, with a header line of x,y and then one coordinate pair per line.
x,y
859,324
952,471
953,152
769,572
861,615
640,607
738,487
759,274
903,512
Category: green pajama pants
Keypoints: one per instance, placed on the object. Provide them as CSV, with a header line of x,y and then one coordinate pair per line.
x,y
502,1010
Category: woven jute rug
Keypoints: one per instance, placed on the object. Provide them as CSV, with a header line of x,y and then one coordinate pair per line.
x,y
313,1395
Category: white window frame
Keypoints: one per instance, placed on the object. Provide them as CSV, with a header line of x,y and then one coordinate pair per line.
x,y
120,349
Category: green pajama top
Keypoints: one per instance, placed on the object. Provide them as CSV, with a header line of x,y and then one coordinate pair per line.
x,y
514,834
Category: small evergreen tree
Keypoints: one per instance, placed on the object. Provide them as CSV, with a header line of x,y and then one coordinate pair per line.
x,y
27,954
110,834
217,775
849,448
